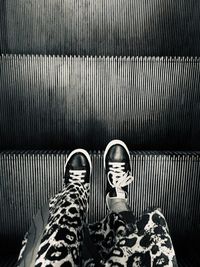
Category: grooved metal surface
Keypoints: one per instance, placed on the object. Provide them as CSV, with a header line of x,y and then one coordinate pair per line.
x,y
100,27
58,102
167,180
8,260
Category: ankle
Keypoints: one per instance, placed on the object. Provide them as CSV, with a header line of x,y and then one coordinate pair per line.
x,y
118,205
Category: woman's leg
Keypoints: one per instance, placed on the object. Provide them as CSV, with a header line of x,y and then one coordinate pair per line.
x,y
148,243
122,241
143,243
60,243
103,236
106,233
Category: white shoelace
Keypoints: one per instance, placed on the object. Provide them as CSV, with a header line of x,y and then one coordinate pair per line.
x,y
120,178
77,176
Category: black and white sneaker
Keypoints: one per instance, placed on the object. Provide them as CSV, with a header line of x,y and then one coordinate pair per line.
x,y
78,167
118,170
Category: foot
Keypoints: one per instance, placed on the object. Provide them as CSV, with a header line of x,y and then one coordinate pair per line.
x,y
78,167
118,171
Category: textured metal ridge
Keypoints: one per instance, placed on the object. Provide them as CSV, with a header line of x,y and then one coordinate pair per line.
x,y
8,261
27,180
100,27
52,102
111,57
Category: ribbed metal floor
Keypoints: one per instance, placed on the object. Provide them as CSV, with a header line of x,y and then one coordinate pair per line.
x,y
8,260
189,258
59,102
168,180
100,27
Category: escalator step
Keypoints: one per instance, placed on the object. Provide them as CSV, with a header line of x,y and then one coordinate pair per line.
x,y
59,102
100,27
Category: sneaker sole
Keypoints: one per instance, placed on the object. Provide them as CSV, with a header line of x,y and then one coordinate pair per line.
x,y
112,143
82,151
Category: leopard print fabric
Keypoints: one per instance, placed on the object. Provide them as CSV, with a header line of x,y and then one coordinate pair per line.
x,y
144,243
64,229
62,239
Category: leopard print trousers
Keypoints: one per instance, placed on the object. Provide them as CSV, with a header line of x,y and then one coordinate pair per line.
x,y
67,241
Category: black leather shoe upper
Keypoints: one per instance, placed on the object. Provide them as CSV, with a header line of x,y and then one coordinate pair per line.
x,y
78,161
116,154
